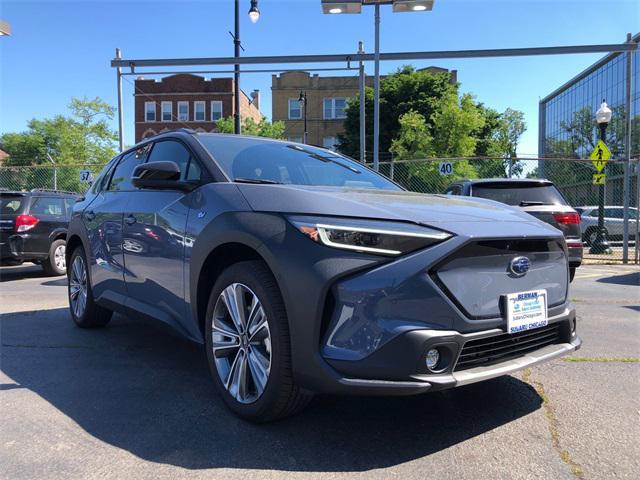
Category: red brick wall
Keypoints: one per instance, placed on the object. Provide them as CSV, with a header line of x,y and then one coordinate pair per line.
x,y
183,87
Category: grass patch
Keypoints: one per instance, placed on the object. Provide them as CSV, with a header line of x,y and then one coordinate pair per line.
x,y
552,420
602,359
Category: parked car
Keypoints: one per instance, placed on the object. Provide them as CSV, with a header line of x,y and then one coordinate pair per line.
x,y
537,197
33,228
613,223
303,271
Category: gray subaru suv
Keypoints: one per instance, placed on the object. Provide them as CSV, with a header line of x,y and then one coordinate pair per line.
x,y
301,271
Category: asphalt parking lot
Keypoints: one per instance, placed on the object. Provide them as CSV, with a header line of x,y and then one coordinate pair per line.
x,y
134,401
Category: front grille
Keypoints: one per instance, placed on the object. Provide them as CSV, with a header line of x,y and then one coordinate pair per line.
x,y
487,351
476,276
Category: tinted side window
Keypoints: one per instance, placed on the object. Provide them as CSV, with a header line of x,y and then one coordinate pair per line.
x,y
172,151
454,190
101,182
121,179
48,206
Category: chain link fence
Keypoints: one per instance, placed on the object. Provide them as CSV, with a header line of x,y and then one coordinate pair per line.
x,y
434,175
63,177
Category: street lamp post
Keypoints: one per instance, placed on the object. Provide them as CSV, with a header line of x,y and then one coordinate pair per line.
x,y
254,15
303,106
600,244
355,6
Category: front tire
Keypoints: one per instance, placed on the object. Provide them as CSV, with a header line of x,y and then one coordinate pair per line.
x,y
572,274
55,264
84,311
248,345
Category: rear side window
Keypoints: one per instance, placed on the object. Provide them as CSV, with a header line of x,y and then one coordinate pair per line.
x,y
121,178
48,206
614,213
521,194
12,205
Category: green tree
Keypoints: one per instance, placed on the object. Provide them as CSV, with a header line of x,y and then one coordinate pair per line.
x,y
452,126
84,137
264,128
401,92
511,126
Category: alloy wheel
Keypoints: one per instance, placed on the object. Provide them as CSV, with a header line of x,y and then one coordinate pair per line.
x,y
59,257
241,343
78,287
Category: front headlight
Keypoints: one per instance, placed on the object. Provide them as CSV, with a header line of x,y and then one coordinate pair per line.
x,y
379,237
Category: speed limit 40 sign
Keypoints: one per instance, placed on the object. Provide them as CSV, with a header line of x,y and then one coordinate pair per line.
x,y
445,168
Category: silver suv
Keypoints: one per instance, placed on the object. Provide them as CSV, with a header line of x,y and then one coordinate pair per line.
x,y
613,223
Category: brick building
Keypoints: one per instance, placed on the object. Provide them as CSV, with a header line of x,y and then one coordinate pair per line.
x,y
326,101
186,100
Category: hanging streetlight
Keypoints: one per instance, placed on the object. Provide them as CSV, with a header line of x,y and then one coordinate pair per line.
x,y
254,13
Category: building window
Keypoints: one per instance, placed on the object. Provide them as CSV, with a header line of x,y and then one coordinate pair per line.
x,y
149,111
183,111
167,111
295,138
198,111
330,143
216,110
295,112
334,108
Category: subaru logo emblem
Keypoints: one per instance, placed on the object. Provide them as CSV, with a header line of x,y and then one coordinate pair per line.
x,y
519,266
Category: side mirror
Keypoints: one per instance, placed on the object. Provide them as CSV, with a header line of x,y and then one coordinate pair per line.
x,y
159,176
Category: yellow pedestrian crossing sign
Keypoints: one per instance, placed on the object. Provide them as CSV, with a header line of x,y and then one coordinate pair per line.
x,y
599,178
599,156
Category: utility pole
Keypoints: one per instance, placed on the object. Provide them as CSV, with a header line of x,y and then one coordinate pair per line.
x,y
376,93
236,74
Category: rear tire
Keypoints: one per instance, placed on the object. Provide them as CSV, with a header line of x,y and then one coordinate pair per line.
x,y
84,311
55,264
251,365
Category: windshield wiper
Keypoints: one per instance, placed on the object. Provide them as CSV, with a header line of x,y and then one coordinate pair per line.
x,y
264,181
322,158
530,203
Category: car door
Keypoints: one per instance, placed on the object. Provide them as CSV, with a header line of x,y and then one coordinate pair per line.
x,y
614,222
103,219
153,243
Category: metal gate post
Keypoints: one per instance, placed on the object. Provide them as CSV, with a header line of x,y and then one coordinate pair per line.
x,y
363,139
120,112
627,165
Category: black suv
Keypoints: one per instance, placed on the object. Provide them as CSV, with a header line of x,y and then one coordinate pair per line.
x,y
33,228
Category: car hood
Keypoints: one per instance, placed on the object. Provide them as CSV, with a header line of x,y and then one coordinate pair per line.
x,y
461,215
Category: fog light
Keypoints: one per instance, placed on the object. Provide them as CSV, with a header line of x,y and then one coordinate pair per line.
x,y
433,357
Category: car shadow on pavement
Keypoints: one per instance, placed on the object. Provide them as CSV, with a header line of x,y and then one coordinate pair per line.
x,y
19,272
631,279
146,391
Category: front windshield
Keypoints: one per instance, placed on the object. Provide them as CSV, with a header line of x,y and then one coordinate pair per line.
x,y
258,161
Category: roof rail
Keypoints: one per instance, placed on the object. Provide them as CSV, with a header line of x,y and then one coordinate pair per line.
x,y
51,190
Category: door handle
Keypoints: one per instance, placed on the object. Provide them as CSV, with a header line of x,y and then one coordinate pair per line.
x,y
130,220
90,215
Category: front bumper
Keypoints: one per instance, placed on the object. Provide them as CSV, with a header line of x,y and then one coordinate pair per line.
x,y
402,309
398,367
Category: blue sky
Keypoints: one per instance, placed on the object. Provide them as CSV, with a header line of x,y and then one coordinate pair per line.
x,y
61,49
